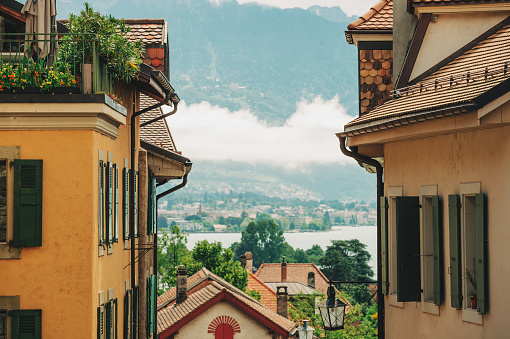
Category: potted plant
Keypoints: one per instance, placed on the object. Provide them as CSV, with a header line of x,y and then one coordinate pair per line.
x,y
471,278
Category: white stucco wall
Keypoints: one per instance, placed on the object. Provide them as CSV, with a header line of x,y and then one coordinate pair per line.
x,y
250,328
450,33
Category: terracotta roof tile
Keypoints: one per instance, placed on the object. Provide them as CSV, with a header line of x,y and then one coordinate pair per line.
x,y
375,78
459,82
156,133
267,295
295,273
152,32
379,17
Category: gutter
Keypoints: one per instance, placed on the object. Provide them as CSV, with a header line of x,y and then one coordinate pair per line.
x,y
380,193
169,95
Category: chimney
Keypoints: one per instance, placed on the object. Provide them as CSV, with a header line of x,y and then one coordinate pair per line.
x,y
281,300
182,284
249,262
284,270
311,279
242,259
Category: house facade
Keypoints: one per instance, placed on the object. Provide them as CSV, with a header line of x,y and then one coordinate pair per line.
x,y
441,141
70,220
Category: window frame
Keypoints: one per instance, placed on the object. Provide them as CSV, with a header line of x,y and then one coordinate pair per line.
x,y
428,192
392,193
9,154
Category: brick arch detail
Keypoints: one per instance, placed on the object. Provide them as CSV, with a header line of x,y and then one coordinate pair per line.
x,y
224,319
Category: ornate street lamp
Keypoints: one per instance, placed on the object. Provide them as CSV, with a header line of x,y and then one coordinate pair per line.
x,y
305,331
332,310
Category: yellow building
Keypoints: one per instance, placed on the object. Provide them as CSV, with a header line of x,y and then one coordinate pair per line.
x,y
71,263
440,142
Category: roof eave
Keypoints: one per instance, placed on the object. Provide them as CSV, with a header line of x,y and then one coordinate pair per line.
x,y
353,36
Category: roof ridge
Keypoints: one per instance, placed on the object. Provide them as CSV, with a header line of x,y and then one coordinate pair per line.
x,y
370,14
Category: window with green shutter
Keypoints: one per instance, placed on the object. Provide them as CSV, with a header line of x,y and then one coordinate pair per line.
x,y
408,248
481,241
28,181
110,316
437,250
152,208
109,202
150,302
135,197
128,314
116,203
101,331
101,202
26,324
384,244
455,269
125,202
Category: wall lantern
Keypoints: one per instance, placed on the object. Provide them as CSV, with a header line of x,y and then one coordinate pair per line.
x,y
332,311
305,331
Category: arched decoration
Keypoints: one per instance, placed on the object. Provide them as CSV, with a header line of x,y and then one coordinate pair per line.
x,y
224,324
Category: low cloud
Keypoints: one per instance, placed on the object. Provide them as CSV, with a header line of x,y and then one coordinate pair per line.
x,y
350,7
206,132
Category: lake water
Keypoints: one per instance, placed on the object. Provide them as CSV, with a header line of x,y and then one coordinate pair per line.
x,y
305,240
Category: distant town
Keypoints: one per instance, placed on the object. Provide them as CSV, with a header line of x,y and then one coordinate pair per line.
x,y
232,212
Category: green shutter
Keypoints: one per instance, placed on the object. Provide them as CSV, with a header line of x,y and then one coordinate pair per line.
x,y
127,313
100,322
408,248
136,205
109,203
26,324
384,244
150,302
110,320
481,253
437,250
147,306
125,202
152,208
28,179
116,203
100,209
455,255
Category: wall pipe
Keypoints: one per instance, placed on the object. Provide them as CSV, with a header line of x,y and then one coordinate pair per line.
x,y
380,193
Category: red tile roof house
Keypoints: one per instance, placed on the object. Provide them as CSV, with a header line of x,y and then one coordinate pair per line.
x,y
444,139
206,306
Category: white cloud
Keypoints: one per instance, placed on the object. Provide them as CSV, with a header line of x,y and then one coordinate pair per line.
x,y
206,132
351,7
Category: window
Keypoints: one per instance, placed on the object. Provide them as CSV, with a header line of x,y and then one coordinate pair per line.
x,y
431,256
468,248
128,314
125,200
152,205
224,327
26,324
150,302
3,324
107,316
3,203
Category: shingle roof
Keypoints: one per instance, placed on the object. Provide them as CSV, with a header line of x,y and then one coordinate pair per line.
x,y
379,17
295,273
375,78
170,294
293,288
459,82
267,295
153,33
157,133
206,287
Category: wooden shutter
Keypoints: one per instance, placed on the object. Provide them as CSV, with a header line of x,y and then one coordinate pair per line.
x,y
100,322
109,203
384,244
136,204
128,313
26,324
408,249
437,250
150,302
481,253
110,320
116,203
125,202
455,254
28,178
100,210
152,208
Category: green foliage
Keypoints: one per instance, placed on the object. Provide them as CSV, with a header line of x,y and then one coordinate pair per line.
x,y
264,240
347,260
254,294
162,222
172,252
304,308
315,254
107,35
193,217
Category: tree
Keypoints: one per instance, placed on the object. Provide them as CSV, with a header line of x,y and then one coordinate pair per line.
x,y
171,253
193,218
326,220
162,222
264,240
347,260
300,256
315,254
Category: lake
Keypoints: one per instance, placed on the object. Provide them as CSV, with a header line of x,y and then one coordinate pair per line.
x,y
305,240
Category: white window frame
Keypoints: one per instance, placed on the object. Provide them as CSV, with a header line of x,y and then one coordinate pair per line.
x,y
393,192
467,190
426,192
9,153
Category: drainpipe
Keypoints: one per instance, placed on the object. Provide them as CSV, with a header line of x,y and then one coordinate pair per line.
x,y
168,96
380,193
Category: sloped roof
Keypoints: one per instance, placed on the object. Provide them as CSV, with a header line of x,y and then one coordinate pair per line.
x,y
157,133
207,290
379,17
447,2
154,34
170,294
267,295
295,273
469,81
293,288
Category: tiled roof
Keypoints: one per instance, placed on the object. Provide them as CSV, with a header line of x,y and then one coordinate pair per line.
x,y
207,288
170,294
267,295
379,17
156,133
295,273
440,2
460,82
153,33
375,78
293,288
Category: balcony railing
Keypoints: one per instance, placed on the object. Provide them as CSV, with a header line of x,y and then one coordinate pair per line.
x,y
72,62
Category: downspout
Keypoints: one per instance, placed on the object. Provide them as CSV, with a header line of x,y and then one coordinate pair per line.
x,y
168,95
155,258
380,193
